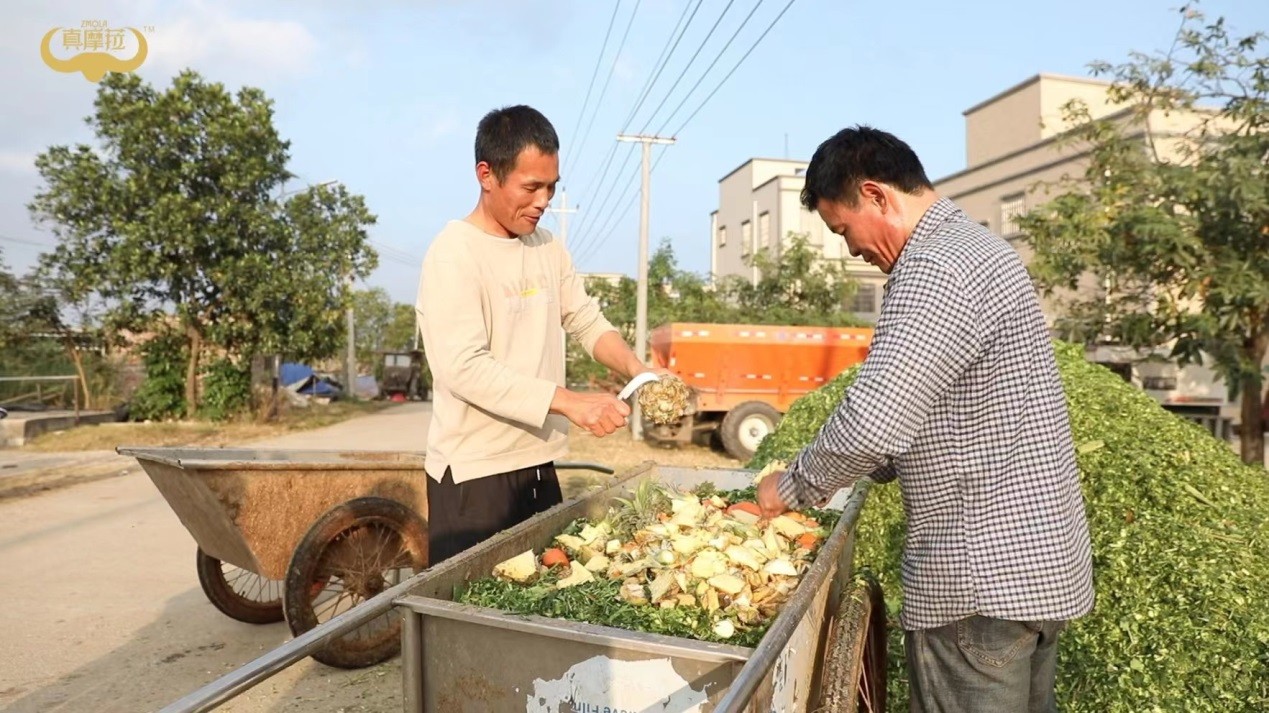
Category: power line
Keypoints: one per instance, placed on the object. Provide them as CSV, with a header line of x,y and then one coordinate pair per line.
x,y
689,63
597,239
704,74
24,241
627,181
598,60
595,186
603,204
657,74
734,68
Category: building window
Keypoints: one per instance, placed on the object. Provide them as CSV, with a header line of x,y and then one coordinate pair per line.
x,y
722,236
746,238
865,300
1011,207
764,229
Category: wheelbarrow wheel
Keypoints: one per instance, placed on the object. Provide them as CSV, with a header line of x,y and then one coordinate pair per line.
x,y
238,593
854,674
353,552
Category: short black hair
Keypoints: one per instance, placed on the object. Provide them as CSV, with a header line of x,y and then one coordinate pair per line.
x,y
504,133
858,154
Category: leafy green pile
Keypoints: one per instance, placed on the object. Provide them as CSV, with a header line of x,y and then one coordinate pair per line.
x,y
1180,531
599,602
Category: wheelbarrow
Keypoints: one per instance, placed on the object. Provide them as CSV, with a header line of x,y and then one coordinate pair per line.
x,y
300,535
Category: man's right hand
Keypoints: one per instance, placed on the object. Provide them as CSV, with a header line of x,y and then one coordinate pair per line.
x,y
601,414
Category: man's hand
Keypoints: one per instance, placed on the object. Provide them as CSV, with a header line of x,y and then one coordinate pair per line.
x,y
601,414
769,500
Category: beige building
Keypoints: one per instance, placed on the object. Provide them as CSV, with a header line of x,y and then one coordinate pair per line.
x,y
758,207
1014,158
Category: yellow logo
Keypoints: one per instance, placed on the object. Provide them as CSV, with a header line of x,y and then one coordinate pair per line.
x,y
92,37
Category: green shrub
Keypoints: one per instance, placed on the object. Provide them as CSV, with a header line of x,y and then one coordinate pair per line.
x,y
1180,531
162,394
226,390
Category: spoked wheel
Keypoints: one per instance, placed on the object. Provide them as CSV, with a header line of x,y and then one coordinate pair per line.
x,y
355,551
854,677
239,594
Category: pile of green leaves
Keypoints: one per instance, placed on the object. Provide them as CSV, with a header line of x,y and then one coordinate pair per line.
x,y
1180,531
599,602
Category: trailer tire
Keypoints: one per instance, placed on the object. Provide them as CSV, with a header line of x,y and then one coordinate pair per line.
x,y
744,427
355,543
263,608
854,671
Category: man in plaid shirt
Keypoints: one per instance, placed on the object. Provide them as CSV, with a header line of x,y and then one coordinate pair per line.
x,y
960,400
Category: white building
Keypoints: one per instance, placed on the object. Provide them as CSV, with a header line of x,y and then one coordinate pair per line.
x,y
758,207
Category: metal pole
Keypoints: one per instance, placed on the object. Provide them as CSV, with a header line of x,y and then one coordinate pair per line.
x,y
352,347
641,304
411,661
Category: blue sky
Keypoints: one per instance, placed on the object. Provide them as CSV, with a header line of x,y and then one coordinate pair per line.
x,y
385,97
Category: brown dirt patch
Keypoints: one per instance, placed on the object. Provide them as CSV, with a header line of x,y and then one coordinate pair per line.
x,y
105,436
621,453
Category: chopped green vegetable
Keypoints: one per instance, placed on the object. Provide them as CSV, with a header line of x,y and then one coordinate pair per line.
x,y
1180,531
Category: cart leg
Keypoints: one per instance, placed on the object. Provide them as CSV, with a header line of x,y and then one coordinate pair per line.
x,y
412,661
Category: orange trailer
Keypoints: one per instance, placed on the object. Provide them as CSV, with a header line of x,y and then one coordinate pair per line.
x,y
744,377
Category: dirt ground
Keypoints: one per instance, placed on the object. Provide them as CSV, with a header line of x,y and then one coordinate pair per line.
x,y
105,436
621,453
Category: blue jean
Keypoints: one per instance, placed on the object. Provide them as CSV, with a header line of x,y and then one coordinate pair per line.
x,y
983,665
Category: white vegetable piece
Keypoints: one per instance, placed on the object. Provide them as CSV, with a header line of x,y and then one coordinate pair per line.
x,y
744,557
520,568
787,527
780,566
578,575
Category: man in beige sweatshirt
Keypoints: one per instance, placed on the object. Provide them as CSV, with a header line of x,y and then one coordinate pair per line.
x,y
496,298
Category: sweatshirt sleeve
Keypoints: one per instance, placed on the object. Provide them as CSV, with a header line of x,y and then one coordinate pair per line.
x,y
582,317
456,342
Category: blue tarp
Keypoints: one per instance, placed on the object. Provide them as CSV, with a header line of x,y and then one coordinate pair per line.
x,y
291,374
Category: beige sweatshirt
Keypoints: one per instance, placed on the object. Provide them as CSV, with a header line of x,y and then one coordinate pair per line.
x,y
493,313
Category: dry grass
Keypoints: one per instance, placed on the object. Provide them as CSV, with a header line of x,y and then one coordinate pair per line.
x,y
622,453
106,436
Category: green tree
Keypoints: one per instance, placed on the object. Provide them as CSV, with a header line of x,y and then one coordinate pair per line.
x,y
174,218
23,308
797,287
1175,229
371,311
401,328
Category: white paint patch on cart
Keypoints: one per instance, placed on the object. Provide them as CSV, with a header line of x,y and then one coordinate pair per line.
x,y
604,685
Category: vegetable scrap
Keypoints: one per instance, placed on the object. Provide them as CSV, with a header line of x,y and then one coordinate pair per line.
x,y
702,565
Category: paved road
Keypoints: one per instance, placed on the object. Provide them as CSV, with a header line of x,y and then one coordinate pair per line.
x,y
101,608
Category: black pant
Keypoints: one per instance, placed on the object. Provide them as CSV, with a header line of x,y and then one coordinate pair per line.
x,y
464,514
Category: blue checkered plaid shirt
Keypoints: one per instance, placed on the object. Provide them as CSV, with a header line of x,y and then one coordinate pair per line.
x,y
960,399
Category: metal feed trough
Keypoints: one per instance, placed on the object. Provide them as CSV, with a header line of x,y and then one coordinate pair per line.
x,y
466,658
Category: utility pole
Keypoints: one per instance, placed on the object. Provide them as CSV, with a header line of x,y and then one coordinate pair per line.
x,y
641,308
563,212
352,347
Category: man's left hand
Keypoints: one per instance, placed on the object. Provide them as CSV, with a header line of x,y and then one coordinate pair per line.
x,y
769,500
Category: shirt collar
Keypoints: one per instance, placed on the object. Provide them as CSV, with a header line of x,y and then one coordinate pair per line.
x,y
937,214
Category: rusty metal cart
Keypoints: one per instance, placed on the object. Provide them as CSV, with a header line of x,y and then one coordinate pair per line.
x,y
300,535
